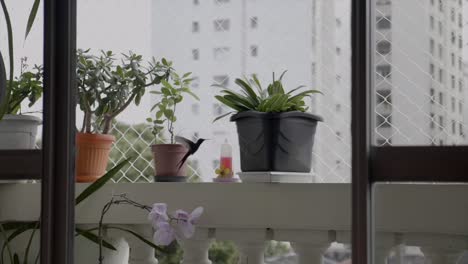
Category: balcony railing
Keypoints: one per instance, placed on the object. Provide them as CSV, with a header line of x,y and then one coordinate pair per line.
x,y
433,217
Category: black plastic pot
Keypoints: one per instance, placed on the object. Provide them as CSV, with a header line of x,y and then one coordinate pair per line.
x,y
276,141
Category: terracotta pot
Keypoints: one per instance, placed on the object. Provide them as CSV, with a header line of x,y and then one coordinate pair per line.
x,y
166,160
92,155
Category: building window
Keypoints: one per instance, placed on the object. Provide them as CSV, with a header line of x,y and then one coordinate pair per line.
x,y
253,22
453,81
338,107
432,94
452,56
441,122
219,2
460,108
441,52
195,109
384,47
460,20
454,128
460,42
460,129
253,51
441,5
431,46
384,120
384,22
441,98
222,25
441,28
384,70
196,2
195,27
218,110
460,64
432,124
453,38
460,85
338,50
441,75
384,96
431,22
432,70
453,104
338,22
195,82
195,54
221,53
452,14
222,80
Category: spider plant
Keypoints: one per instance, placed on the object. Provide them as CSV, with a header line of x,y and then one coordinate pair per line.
x,y
273,99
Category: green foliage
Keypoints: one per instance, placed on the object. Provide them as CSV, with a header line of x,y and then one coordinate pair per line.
x,y
106,89
135,141
27,86
18,228
171,94
273,99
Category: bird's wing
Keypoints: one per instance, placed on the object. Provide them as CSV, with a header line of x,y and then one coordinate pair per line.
x,y
187,143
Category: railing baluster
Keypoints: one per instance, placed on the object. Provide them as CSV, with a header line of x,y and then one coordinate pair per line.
x,y
196,248
140,252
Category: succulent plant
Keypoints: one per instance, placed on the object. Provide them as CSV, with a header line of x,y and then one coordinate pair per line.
x,y
273,99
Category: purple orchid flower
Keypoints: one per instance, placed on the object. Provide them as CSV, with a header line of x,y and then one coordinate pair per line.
x,y
180,225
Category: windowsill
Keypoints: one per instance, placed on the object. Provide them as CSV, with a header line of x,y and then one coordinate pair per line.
x,y
399,207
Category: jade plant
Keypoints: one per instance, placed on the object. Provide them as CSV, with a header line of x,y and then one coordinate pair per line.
x,y
106,89
253,97
171,95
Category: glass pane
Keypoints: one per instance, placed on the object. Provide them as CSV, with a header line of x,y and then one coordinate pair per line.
x,y
20,128
423,223
217,41
21,117
420,73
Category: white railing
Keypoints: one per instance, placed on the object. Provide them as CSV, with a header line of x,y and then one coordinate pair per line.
x,y
310,216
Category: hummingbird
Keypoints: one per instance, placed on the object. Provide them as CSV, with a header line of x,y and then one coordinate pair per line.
x,y
192,147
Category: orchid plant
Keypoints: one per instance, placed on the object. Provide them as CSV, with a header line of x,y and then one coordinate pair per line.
x,y
168,227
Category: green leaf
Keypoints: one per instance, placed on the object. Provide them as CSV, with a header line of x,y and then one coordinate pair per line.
x,y
95,186
222,116
186,75
295,89
168,113
93,238
28,247
282,74
32,17
248,89
141,238
230,104
187,90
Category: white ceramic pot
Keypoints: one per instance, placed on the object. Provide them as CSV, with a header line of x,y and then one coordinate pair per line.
x,y
18,131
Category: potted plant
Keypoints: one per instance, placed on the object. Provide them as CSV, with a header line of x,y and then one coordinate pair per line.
x,y
275,132
167,157
105,90
17,131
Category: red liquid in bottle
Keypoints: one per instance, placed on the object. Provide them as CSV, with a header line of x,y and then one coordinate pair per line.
x,y
226,162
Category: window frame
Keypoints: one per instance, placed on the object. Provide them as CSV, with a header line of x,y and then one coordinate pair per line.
x,y
373,164
54,165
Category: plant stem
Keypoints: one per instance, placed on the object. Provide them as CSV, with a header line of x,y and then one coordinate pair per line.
x,y
171,126
108,119
122,199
